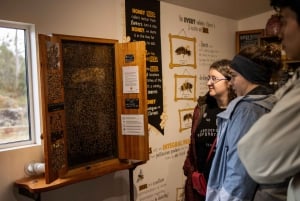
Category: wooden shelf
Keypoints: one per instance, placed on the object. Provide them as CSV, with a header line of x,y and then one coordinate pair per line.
x,y
37,185
270,39
292,62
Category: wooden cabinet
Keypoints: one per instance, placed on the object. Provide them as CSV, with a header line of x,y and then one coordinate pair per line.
x,y
94,108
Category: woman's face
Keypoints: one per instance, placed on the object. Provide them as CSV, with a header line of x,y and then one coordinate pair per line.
x,y
217,84
239,84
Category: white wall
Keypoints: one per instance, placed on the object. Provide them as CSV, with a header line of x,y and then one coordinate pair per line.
x,y
93,18
255,22
163,173
105,19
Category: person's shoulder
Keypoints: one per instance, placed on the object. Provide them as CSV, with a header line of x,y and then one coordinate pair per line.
x,y
240,106
230,108
266,101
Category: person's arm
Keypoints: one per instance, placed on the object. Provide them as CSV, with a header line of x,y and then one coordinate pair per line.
x,y
189,165
270,150
237,183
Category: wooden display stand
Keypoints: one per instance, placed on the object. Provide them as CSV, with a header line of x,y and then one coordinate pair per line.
x,y
32,187
94,110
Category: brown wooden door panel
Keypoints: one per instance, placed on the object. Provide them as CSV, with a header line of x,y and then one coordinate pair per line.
x,y
53,115
131,145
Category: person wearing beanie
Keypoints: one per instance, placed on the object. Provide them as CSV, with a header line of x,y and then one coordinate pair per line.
x,y
251,71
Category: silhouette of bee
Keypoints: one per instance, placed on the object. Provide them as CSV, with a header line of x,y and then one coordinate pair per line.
x,y
188,117
186,86
140,176
183,50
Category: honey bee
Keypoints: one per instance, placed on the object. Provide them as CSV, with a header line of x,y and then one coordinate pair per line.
x,y
186,86
140,176
183,50
188,117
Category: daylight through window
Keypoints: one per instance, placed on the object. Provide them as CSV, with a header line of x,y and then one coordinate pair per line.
x,y
18,79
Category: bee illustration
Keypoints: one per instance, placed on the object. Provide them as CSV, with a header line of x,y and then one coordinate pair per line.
x,y
183,51
140,176
186,86
188,117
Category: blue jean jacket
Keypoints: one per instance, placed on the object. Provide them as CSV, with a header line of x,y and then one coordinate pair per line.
x,y
228,179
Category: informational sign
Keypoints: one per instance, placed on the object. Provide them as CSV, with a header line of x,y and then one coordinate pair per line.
x,y
130,79
132,124
249,37
143,24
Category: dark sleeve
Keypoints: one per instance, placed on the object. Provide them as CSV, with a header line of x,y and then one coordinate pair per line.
x,y
190,162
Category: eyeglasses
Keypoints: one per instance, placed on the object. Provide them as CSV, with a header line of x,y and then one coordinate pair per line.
x,y
214,79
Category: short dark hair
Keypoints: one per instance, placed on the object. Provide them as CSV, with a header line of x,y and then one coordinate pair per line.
x,y
223,66
294,5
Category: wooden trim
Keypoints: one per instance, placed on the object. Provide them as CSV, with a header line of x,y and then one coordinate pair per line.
x,y
247,37
182,51
38,184
132,147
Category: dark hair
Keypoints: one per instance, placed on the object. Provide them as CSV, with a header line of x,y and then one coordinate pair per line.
x,y
294,5
223,66
268,57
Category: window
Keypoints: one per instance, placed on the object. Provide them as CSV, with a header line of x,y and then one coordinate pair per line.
x,y
19,99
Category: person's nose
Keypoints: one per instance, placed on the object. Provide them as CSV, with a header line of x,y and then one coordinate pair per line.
x,y
209,82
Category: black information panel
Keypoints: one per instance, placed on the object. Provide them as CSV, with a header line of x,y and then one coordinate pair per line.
x,y
143,24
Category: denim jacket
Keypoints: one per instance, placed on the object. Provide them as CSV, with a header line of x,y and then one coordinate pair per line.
x,y
228,179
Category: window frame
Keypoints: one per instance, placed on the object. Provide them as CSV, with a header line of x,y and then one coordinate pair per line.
x,y
32,85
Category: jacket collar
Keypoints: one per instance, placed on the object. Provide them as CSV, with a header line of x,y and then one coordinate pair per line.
x,y
266,101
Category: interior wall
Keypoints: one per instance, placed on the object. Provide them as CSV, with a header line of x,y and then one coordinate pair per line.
x,y
95,18
104,19
255,22
161,178
214,38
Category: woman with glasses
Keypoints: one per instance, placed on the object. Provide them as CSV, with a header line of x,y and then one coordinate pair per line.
x,y
204,130
251,71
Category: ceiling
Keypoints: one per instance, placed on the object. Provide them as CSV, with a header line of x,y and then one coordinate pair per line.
x,y
233,9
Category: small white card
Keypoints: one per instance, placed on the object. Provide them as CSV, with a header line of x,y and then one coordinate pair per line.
x,y
132,124
130,79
